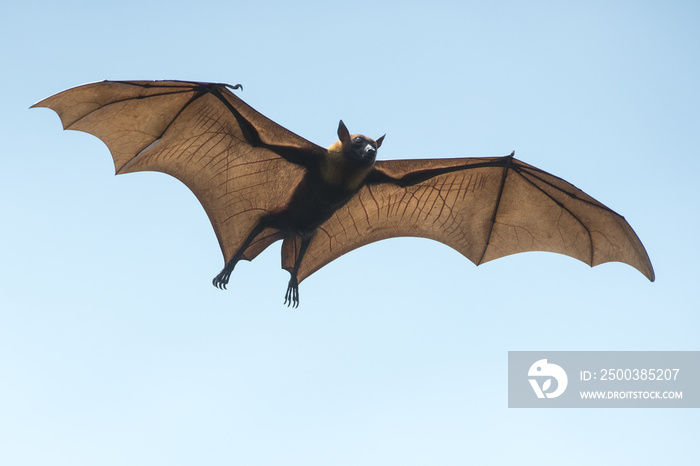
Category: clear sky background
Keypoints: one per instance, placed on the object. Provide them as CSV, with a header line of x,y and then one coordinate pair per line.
x,y
115,348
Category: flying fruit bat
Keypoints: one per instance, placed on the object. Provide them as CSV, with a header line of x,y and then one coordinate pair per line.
x,y
259,183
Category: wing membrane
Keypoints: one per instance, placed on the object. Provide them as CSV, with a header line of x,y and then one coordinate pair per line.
x,y
227,153
485,208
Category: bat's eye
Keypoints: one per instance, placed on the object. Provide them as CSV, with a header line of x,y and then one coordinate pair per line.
x,y
357,141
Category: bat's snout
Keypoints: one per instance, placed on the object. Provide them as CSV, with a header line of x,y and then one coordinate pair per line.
x,y
361,151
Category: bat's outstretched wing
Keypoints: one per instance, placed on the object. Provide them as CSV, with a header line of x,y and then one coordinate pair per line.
x,y
485,208
238,163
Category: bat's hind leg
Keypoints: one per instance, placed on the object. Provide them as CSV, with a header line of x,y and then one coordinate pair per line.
x,y
292,295
291,298
221,280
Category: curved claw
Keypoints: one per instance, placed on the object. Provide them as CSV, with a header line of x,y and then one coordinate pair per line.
x,y
291,298
221,280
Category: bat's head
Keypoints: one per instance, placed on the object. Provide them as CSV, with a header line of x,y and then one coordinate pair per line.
x,y
356,148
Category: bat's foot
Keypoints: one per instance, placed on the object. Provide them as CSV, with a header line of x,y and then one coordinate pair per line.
x,y
292,296
221,280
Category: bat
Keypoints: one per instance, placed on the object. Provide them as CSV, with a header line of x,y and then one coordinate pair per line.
x,y
259,183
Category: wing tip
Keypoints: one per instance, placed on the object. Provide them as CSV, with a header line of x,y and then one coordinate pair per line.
x,y
645,268
42,104
650,274
46,104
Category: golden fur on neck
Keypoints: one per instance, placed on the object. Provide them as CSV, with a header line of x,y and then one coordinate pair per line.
x,y
337,171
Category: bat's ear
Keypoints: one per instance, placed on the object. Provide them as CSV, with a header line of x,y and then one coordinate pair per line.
x,y
379,141
343,133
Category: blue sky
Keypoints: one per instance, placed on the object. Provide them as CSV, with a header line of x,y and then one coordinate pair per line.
x,y
115,348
